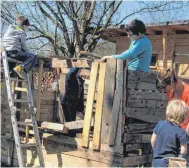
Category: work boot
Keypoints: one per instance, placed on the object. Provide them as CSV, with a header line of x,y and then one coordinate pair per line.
x,y
18,70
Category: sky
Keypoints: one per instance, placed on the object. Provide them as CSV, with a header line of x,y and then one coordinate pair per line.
x,y
176,15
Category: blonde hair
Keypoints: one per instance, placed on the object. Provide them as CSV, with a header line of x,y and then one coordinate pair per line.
x,y
176,111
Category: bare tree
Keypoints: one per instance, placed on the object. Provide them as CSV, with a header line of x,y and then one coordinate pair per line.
x,y
71,26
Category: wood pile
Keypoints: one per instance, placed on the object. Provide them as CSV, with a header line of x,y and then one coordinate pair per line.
x,y
48,78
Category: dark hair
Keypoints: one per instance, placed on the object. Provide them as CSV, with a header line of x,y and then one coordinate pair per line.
x,y
136,26
26,22
165,77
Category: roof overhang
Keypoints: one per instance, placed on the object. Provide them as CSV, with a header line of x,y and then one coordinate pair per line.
x,y
178,27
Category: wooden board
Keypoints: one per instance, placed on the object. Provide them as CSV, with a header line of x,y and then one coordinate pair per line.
x,y
177,162
99,104
135,160
146,95
181,59
74,125
119,127
83,72
108,98
137,138
56,63
115,116
54,126
152,115
149,77
139,128
89,106
146,103
131,147
137,85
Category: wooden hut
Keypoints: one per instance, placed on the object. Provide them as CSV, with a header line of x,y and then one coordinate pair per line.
x,y
121,110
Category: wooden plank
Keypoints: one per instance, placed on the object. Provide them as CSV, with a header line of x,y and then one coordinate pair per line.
x,y
137,85
99,103
131,147
83,72
152,115
39,89
177,162
108,98
115,116
54,126
181,59
149,77
139,128
146,103
137,138
135,160
89,106
74,125
119,87
57,63
82,63
145,95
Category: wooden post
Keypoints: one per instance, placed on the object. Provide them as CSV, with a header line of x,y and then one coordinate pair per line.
x,y
164,48
99,103
41,62
61,94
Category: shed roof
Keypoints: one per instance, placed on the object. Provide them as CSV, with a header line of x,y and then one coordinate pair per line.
x,y
176,27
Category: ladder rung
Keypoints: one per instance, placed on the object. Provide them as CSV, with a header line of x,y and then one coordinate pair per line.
x,y
20,80
13,60
28,145
25,123
21,101
20,89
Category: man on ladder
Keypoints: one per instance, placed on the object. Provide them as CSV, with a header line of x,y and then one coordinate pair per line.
x,y
14,42
15,50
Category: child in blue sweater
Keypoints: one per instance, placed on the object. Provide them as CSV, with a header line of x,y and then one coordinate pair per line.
x,y
168,138
139,53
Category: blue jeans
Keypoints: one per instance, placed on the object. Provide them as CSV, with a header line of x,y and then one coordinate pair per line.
x,y
27,58
160,163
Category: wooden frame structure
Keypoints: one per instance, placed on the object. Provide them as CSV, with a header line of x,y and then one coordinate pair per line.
x,y
122,107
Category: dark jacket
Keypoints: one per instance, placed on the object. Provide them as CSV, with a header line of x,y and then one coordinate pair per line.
x,y
74,92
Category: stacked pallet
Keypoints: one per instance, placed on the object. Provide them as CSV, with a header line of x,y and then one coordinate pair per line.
x,y
145,106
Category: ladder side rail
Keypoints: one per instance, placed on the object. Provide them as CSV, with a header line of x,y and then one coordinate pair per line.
x,y
13,110
33,116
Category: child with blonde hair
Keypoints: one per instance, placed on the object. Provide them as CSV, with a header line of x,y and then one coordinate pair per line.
x,y
168,138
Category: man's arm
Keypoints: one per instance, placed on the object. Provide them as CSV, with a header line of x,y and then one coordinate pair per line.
x,y
183,149
153,140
